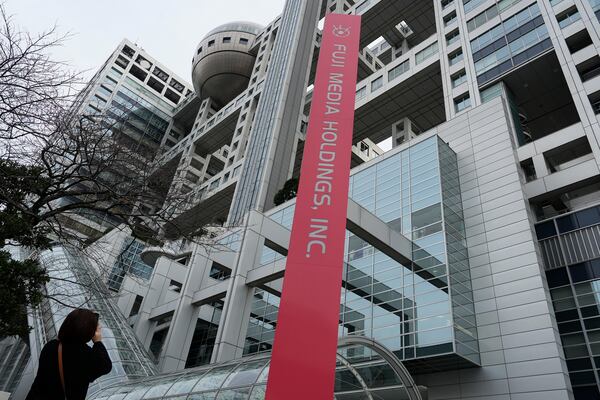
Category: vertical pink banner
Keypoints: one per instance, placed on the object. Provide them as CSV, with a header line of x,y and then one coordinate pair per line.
x,y
304,353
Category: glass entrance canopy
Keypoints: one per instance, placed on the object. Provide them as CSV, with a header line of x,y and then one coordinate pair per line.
x,y
364,371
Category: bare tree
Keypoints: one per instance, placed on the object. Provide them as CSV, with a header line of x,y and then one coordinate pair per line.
x,y
34,88
60,166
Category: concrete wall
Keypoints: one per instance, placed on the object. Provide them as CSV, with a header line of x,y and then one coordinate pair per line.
x,y
521,354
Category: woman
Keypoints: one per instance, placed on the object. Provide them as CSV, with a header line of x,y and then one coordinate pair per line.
x,y
80,364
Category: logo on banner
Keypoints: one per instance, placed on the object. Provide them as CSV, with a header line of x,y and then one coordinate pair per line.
x,y
341,31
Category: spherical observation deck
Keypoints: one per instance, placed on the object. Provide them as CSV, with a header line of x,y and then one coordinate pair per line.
x,y
222,63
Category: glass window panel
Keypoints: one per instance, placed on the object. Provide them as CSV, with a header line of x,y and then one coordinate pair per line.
x,y
245,374
234,394
564,304
258,393
137,393
576,351
119,396
376,84
580,272
159,391
202,396
183,385
379,376
213,378
594,336
433,309
561,293
588,217
345,381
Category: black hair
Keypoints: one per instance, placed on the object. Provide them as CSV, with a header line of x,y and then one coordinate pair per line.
x,y
79,326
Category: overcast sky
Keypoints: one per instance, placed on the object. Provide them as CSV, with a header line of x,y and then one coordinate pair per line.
x,y
167,30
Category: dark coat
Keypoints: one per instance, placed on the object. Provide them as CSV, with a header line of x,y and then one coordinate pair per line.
x,y
82,364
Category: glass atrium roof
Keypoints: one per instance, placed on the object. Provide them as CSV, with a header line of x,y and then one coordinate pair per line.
x,y
361,374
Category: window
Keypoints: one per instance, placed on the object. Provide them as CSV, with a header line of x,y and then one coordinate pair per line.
x,y
589,69
111,80
462,103
491,92
156,85
398,70
158,340
115,72
567,18
509,25
579,41
504,5
595,101
105,91
459,78
162,75
494,59
452,37
450,18
361,93
171,95
143,62
122,61
363,6
528,40
376,84
90,109
99,101
199,50
426,53
455,57
446,3
175,286
203,340
482,18
138,72
244,41
522,17
137,304
594,3
470,5
176,85
219,272
211,43
128,51
227,39
214,184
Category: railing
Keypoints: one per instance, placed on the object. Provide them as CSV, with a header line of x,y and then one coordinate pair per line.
x,y
571,248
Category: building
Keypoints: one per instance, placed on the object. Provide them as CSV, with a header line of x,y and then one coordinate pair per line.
x,y
137,94
472,245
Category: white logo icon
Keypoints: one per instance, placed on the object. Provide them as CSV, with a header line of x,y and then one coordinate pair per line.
x,y
341,31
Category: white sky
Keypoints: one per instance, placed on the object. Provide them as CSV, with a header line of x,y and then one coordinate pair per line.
x,y
167,30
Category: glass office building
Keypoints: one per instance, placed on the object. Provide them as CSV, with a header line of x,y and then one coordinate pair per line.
x,y
571,251
420,310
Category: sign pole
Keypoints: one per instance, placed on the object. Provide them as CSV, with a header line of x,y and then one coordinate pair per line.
x,y
304,352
